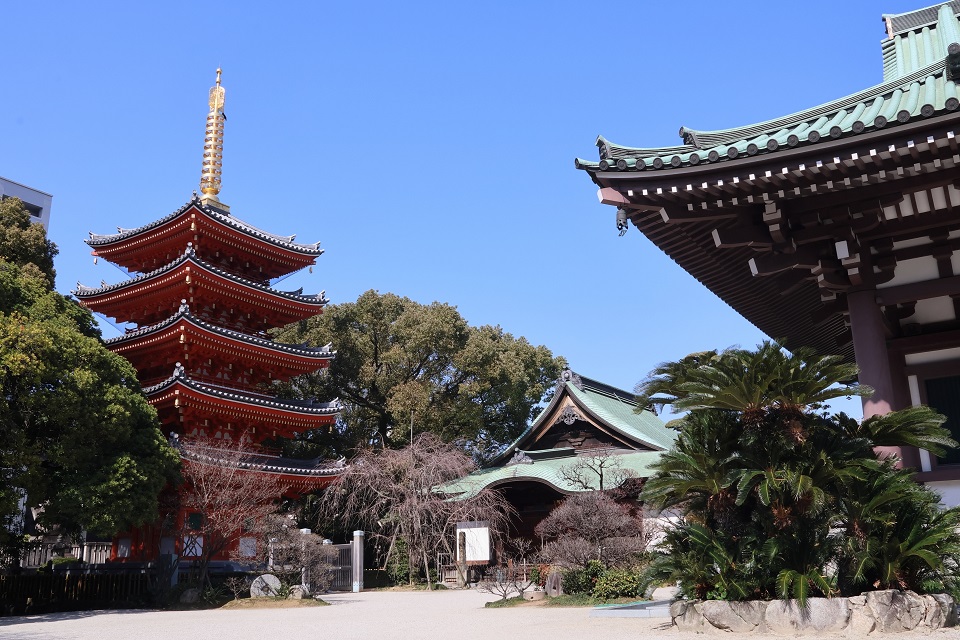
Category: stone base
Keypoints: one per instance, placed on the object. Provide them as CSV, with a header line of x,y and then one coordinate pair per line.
x,y
882,611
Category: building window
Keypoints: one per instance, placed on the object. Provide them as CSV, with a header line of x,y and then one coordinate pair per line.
x,y
194,521
192,546
248,547
943,395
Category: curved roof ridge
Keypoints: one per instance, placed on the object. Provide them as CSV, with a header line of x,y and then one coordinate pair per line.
x,y
180,376
729,136
224,218
922,94
185,313
190,255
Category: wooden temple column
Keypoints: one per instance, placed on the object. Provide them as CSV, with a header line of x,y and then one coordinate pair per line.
x,y
873,359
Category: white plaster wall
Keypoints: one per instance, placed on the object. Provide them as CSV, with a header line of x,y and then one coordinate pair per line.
x,y
933,310
913,270
949,491
926,357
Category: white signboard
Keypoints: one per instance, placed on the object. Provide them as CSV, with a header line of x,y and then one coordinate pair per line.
x,y
477,538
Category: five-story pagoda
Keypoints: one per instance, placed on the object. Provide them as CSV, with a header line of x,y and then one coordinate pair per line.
x,y
201,303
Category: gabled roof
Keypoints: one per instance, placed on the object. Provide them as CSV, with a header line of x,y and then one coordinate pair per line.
x,y
612,408
916,85
287,242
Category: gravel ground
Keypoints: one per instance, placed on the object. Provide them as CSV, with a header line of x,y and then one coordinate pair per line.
x,y
373,615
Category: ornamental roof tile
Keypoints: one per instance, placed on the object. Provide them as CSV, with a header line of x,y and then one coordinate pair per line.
x,y
916,85
180,376
287,242
184,312
918,38
190,255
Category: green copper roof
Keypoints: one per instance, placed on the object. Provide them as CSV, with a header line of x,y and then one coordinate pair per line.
x,y
916,84
917,39
611,407
544,471
620,414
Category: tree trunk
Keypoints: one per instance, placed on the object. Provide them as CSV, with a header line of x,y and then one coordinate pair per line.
x,y
426,570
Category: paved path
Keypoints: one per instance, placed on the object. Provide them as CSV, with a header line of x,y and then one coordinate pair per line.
x,y
375,615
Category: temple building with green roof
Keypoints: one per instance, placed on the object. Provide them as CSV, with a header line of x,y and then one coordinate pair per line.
x,y
836,227
586,419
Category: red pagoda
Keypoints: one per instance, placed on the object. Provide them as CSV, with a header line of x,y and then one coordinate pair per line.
x,y
200,305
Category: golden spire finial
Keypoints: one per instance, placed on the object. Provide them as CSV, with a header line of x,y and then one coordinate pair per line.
x,y
213,145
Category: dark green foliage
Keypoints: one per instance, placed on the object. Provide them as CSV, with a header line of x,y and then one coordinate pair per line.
x,y
619,583
76,432
22,242
398,359
782,500
582,581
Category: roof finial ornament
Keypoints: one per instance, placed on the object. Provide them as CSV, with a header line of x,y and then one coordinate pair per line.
x,y
213,148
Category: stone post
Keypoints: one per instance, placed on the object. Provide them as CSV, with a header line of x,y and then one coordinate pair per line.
x,y
462,559
356,561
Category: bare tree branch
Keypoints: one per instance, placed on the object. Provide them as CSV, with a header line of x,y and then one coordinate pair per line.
x,y
392,495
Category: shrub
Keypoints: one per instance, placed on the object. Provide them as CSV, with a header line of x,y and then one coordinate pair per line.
x,y
582,580
618,583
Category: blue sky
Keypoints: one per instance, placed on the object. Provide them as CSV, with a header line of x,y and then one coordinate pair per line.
x,y
428,145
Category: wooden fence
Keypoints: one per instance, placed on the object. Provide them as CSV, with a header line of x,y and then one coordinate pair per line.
x,y
43,592
38,554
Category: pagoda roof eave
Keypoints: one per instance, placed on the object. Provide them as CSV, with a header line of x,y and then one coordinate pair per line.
x,y
920,95
286,242
270,465
182,381
84,292
184,315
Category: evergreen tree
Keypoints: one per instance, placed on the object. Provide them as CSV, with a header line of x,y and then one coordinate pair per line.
x,y
400,361
77,435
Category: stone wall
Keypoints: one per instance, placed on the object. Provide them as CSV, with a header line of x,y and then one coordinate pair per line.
x,y
881,611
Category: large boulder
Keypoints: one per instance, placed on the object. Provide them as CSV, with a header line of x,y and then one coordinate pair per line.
x,y
190,596
687,616
941,611
896,611
876,611
297,593
821,615
739,617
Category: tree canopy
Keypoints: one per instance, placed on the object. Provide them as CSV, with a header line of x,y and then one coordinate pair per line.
x,y
400,361
76,433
